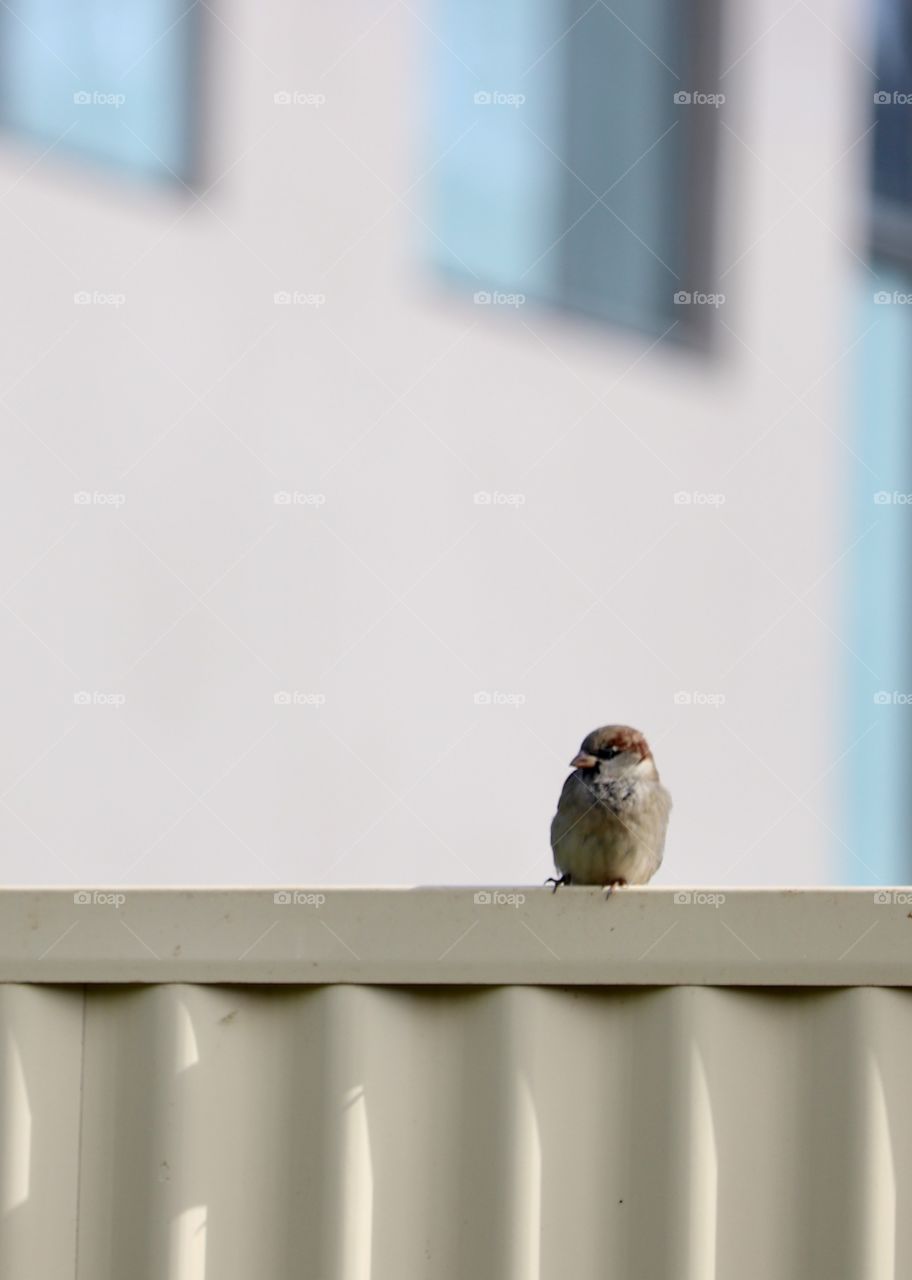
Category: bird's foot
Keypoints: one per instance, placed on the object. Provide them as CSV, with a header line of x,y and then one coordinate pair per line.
x,y
612,885
557,881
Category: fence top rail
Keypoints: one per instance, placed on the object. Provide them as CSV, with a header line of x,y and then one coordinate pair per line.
x,y
311,934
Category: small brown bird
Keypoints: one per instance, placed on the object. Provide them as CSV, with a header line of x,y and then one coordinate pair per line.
x,y
612,814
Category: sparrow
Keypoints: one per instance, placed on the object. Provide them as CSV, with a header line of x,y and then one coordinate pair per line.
x,y
612,814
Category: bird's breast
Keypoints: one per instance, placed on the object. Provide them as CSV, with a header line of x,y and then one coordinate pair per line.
x,y
610,830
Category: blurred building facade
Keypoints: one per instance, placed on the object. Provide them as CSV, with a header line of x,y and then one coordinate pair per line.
x,y
364,556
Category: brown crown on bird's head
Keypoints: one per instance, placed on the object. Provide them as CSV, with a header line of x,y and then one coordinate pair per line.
x,y
612,742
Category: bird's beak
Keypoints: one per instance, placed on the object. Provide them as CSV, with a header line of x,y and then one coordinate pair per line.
x,y
583,761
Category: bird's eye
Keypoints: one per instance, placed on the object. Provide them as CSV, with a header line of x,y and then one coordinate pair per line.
x,y
607,753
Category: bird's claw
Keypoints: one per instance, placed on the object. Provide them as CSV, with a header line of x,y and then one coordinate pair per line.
x,y
614,884
557,881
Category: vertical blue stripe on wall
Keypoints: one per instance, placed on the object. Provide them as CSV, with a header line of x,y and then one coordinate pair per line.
x,y
876,771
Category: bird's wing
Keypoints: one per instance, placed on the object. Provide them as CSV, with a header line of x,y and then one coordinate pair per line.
x,y
573,804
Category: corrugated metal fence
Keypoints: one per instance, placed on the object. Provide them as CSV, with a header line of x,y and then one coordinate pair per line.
x,y
340,1130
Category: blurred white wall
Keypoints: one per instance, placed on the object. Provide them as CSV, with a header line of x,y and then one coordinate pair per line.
x,y
598,599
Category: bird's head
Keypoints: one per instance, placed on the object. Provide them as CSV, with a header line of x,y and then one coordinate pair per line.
x,y
614,751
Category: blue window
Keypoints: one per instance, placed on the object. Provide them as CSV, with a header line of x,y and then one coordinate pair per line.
x,y
111,79
572,148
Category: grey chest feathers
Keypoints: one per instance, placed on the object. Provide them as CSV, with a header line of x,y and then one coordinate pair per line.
x,y
616,794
